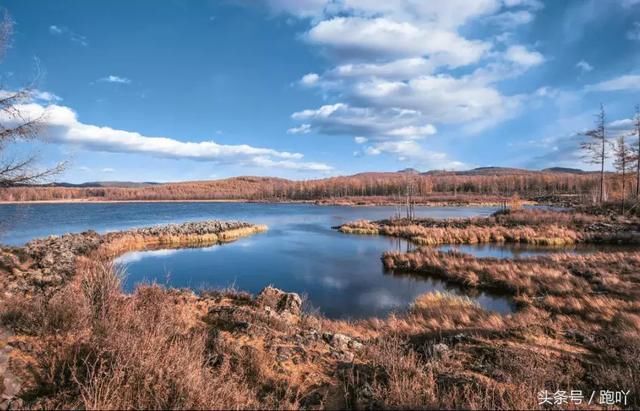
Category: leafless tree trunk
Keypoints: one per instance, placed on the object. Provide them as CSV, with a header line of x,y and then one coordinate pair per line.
x,y
595,149
622,162
15,125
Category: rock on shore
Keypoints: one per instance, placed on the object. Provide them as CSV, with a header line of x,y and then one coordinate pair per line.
x,y
46,264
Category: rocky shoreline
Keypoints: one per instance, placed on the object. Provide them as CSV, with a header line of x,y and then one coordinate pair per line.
x,y
46,264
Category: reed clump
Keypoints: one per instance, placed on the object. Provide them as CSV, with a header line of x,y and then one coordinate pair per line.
x,y
521,226
175,238
528,276
362,227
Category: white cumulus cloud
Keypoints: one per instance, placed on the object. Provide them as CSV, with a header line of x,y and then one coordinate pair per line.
x,y
401,68
376,124
521,55
45,96
627,82
511,19
302,129
396,69
309,79
362,38
63,127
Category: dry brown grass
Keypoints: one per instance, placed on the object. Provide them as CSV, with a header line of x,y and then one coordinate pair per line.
x,y
101,349
577,327
527,276
133,241
523,226
162,348
468,372
472,234
394,377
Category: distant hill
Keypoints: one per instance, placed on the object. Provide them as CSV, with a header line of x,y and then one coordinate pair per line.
x,y
504,171
255,182
563,170
409,171
495,171
478,181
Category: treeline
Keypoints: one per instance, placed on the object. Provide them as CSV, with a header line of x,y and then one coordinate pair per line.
x,y
526,185
392,184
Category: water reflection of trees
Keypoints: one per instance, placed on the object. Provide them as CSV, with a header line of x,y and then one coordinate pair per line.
x,y
401,245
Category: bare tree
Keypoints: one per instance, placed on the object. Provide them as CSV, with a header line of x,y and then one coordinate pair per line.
x,y
409,192
16,125
623,157
595,148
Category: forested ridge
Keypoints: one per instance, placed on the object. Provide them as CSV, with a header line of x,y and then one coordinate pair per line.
x,y
496,182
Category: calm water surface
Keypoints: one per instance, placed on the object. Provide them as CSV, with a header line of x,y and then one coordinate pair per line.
x,y
342,275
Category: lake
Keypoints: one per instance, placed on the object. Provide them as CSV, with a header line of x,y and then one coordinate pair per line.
x,y
341,275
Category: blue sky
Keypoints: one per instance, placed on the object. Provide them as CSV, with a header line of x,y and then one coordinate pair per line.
x,y
175,90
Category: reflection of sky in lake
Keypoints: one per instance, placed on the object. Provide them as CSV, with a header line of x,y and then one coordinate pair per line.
x,y
342,275
137,256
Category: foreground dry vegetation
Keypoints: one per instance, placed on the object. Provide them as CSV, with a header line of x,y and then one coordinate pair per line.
x,y
577,327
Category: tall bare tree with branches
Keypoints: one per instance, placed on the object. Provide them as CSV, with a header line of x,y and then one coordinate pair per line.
x,y
16,125
623,163
595,149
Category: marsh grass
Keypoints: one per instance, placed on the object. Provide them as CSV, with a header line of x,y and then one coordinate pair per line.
x,y
133,241
522,226
159,348
577,327
100,349
525,276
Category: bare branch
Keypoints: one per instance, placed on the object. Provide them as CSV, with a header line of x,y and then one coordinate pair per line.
x,y
595,149
16,124
21,173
